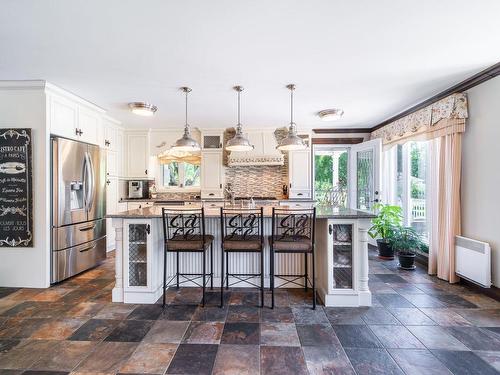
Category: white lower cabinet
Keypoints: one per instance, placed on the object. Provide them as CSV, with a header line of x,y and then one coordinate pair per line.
x,y
111,208
137,205
142,262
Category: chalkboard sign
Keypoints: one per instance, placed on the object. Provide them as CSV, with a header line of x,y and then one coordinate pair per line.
x,y
16,199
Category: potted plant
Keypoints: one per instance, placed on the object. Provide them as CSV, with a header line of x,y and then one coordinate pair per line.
x,y
388,219
406,241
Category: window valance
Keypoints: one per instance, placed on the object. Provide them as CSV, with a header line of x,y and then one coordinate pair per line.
x,y
446,116
170,156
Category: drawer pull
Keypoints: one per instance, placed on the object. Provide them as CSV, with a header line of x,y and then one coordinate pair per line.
x,y
211,194
86,228
87,248
299,194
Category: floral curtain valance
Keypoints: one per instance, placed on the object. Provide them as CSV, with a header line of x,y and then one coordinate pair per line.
x,y
446,116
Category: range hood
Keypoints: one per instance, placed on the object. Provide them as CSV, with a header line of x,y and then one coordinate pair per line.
x,y
264,153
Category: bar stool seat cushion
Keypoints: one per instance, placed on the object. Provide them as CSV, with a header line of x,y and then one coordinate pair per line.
x,y
299,244
242,243
193,243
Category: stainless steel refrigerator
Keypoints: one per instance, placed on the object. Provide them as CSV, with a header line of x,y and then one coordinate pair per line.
x,y
78,233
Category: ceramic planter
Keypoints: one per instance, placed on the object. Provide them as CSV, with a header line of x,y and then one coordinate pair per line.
x,y
385,250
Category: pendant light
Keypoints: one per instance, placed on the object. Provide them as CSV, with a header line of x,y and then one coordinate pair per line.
x,y
239,142
186,143
292,141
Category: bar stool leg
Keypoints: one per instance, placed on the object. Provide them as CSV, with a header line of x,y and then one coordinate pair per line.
x,y
271,276
164,273
203,285
222,278
227,270
177,275
262,278
211,266
305,271
313,280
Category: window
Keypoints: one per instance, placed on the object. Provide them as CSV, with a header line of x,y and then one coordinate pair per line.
x,y
330,175
180,175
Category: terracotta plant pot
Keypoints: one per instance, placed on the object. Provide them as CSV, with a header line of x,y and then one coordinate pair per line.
x,y
385,250
407,261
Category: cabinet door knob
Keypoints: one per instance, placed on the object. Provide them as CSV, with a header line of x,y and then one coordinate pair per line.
x,y
146,171
107,143
330,228
108,182
220,185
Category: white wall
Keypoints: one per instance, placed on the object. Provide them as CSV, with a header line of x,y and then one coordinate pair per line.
x,y
29,267
481,169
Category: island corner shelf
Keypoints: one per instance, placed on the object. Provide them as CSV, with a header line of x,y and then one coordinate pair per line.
x,y
341,255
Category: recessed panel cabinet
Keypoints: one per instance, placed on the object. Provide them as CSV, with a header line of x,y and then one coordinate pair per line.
x,y
70,119
212,174
138,165
299,174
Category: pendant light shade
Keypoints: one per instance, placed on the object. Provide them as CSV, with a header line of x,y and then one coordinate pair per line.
x,y
186,143
292,141
239,142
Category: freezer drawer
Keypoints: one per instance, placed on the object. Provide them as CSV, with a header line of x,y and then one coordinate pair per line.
x,y
69,262
73,235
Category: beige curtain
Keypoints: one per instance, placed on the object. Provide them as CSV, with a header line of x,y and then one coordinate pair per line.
x,y
445,171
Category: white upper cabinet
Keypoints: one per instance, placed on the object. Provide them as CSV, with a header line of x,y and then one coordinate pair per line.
x,y
212,174
73,118
299,173
89,124
63,116
212,139
138,158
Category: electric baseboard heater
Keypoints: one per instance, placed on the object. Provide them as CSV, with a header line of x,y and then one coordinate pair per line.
x,y
473,261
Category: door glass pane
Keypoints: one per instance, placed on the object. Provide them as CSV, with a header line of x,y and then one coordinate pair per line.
x,y
137,254
330,176
342,256
418,188
365,183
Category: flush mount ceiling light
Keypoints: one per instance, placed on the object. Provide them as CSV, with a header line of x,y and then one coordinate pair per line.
x,y
292,141
239,142
331,114
142,108
186,143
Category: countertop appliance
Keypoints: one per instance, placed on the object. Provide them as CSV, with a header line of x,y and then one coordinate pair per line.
x,y
137,189
78,226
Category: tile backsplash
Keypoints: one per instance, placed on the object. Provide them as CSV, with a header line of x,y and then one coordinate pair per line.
x,y
257,180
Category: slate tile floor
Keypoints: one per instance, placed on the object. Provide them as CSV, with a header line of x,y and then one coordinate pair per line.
x,y
417,325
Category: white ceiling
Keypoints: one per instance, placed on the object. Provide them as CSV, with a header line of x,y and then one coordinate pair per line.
x,y
371,58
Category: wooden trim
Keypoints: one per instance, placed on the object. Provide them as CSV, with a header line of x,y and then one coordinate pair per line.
x,y
336,141
468,83
342,131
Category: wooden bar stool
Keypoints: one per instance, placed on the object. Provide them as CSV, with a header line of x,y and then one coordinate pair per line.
x,y
293,233
241,232
184,232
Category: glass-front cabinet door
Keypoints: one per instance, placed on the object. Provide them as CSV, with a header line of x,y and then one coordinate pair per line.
x,y
137,254
342,256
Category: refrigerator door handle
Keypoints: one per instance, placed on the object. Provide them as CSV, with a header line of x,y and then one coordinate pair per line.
x,y
89,182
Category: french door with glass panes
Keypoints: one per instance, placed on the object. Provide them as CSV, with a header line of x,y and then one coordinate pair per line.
x,y
365,170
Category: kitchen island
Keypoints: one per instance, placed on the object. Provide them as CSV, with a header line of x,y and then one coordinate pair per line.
x,y
341,255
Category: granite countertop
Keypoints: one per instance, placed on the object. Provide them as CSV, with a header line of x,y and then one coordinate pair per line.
x,y
322,212
138,200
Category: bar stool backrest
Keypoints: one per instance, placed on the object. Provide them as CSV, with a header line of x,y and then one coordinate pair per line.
x,y
293,224
184,224
241,224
